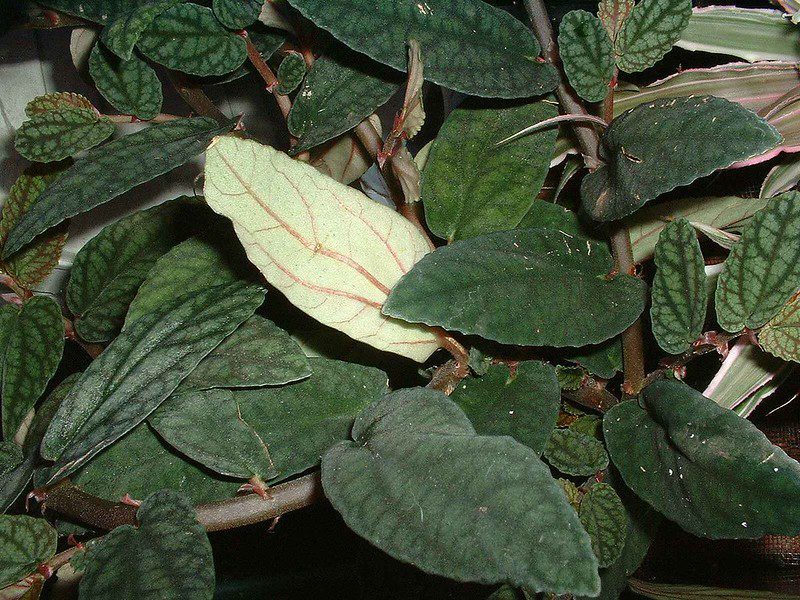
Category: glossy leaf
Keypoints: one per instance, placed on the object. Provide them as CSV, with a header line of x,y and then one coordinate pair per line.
x,y
470,186
31,344
188,38
146,361
523,404
461,42
763,269
32,264
649,32
111,266
25,542
55,102
703,466
336,258
57,134
492,286
679,289
167,556
237,14
338,93
603,517
587,54
781,335
121,34
575,453
297,422
118,166
658,146
291,72
463,528
131,86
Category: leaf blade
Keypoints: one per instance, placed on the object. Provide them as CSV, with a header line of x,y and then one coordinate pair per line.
x,y
587,53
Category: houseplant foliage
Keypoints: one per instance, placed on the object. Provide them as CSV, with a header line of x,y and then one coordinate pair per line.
x,y
536,427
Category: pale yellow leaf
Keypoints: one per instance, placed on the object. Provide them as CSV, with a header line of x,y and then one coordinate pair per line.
x,y
271,15
332,251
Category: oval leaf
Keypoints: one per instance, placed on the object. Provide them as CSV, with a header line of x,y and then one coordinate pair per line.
x,y
237,14
763,269
56,101
336,258
464,528
587,54
25,543
649,31
131,86
703,466
461,40
121,34
680,296
575,453
57,134
492,286
660,145
291,72
470,186
603,517
781,336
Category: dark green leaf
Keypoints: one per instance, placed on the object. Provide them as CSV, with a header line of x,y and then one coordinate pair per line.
x,y
781,336
523,405
339,92
660,145
121,34
140,464
763,269
25,542
146,362
297,422
291,72
575,453
131,86
57,134
703,466
30,265
649,31
118,166
108,270
98,11
258,353
167,556
604,360
464,527
11,457
679,296
546,215
31,344
237,14
587,54
467,45
470,186
492,286
603,516
188,38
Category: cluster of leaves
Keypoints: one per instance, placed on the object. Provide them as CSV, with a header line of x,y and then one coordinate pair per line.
x,y
506,469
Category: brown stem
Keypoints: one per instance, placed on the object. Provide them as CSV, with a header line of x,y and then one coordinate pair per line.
x,y
268,76
592,395
196,98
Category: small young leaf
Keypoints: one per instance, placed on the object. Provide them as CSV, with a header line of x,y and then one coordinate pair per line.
x,y
603,516
32,264
131,86
291,72
587,54
415,436
604,360
339,92
660,145
703,466
492,286
56,134
145,362
31,344
55,102
649,32
612,13
121,34
167,556
336,259
679,288
781,336
470,186
468,46
237,14
25,542
575,453
105,173
763,270
523,405
110,267
188,38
